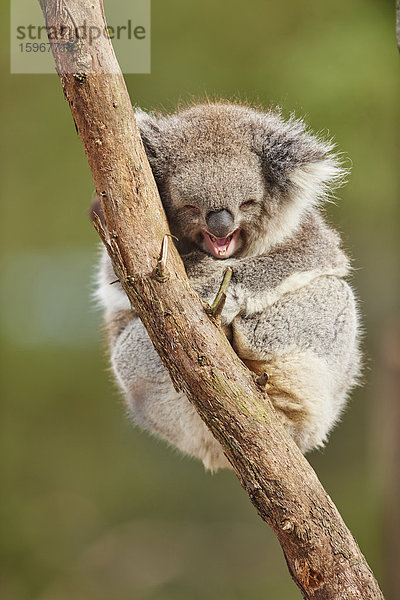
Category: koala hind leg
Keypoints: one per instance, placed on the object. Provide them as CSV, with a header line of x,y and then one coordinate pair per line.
x,y
307,342
297,387
152,401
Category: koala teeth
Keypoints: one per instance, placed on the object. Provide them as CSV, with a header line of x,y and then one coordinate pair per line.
x,y
221,247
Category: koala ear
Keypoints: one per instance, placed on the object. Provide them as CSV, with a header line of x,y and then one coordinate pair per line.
x,y
151,132
315,181
296,164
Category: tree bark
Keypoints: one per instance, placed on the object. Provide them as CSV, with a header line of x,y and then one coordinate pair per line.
x,y
323,557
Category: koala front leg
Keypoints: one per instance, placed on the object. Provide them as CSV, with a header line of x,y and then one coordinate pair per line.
x,y
307,343
152,401
206,275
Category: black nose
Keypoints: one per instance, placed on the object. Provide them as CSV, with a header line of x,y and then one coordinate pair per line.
x,y
220,222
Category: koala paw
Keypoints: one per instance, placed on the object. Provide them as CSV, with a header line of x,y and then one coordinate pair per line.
x,y
233,304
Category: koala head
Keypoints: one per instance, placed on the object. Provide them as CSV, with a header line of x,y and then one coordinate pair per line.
x,y
235,181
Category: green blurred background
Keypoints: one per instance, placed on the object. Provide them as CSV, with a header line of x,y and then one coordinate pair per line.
x,y
91,508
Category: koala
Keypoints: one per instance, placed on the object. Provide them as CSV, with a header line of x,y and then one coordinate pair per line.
x,y
243,188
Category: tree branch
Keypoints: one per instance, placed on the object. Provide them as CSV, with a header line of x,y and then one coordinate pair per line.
x,y
216,308
323,558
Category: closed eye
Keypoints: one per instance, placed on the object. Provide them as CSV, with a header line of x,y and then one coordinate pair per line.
x,y
192,208
247,204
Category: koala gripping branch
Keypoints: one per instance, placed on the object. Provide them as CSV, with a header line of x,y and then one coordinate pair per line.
x,y
323,557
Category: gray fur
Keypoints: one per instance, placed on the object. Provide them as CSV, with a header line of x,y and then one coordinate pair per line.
x,y
288,311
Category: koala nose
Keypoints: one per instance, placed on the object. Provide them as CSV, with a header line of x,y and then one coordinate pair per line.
x,y
220,222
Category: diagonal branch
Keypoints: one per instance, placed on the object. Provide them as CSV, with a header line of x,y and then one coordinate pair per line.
x,y
323,558
216,308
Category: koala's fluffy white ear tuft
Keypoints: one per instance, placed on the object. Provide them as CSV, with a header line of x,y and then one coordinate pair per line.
x,y
316,181
297,164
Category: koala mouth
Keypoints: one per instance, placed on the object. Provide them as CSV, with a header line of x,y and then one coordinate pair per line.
x,y
221,247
